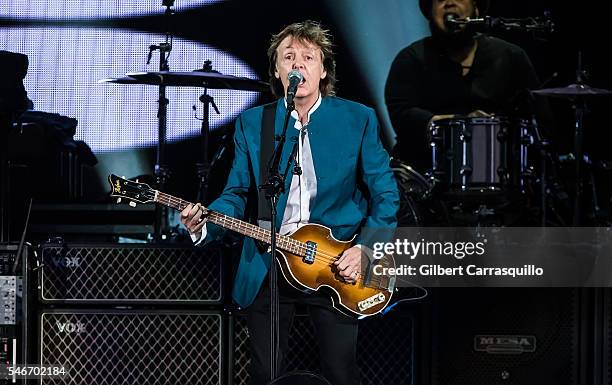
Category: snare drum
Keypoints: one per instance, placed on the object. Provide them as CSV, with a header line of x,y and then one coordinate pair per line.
x,y
479,154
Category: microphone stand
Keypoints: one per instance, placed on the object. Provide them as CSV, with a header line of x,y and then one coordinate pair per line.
x,y
273,187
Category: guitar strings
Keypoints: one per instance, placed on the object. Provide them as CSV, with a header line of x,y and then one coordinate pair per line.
x,y
299,246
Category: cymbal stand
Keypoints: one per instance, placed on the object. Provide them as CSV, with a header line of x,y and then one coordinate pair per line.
x,y
204,166
542,146
580,108
162,171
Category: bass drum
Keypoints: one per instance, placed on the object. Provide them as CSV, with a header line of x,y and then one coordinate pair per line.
x,y
414,191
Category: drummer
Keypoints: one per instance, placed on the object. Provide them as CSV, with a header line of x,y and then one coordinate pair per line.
x,y
454,72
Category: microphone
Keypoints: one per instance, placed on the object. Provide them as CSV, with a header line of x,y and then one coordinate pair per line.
x,y
295,77
451,22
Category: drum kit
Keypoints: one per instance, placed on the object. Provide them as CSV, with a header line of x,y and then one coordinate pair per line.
x,y
481,167
491,170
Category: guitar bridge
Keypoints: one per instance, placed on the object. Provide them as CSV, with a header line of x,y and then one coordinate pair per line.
x,y
309,255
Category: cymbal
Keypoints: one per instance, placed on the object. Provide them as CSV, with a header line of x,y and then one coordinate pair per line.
x,y
213,80
123,80
572,91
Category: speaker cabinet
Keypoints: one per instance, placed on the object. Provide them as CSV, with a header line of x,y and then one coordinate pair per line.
x,y
130,274
121,347
510,336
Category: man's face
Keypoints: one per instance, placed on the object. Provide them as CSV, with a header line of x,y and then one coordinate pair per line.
x,y
305,57
461,9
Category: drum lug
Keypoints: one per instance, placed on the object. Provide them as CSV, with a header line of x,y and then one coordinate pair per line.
x,y
466,171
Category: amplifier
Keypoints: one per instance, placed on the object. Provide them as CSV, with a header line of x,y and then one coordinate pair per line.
x,y
132,347
129,274
513,336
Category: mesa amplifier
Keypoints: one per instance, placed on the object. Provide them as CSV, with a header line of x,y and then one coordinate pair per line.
x,y
129,274
513,336
132,347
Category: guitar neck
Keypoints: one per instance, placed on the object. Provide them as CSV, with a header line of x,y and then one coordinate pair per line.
x,y
283,242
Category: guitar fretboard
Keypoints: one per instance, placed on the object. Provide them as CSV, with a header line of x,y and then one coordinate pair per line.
x,y
283,242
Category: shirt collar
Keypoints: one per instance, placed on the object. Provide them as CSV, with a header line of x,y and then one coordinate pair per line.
x,y
294,113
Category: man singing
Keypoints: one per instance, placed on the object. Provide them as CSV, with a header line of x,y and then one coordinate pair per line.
x,y
345,183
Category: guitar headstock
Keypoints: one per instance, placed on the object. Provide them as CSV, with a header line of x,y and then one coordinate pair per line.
x,y
134,191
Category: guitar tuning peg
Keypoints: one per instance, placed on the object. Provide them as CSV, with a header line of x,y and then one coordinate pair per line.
x,y
137,181
133,204
118,200
123,176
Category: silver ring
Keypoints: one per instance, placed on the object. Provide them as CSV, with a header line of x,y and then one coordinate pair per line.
x,y
355,272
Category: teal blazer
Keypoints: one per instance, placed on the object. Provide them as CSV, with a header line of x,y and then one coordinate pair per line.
x,y
355,186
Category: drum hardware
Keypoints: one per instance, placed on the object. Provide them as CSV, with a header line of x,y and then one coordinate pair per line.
x,y
512,178
483,211
205,77
578,94
196,78
203,167
542,145
605,165
162,172
415,190
573,91
476,155
597,212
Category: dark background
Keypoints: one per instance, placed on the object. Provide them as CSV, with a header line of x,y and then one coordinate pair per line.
x,y
244,28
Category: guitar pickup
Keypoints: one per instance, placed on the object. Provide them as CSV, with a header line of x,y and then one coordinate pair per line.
x,y
311,251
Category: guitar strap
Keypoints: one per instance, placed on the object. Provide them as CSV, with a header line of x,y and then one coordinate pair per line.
x,y
266,149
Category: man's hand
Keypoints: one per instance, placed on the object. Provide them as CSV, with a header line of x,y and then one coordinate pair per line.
x,y
473,114
349,264
435,118
194,217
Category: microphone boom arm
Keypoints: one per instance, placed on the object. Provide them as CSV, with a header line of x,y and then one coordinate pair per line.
x,y
528,24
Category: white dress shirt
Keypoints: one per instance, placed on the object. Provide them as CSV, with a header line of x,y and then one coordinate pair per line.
x,y
303,190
